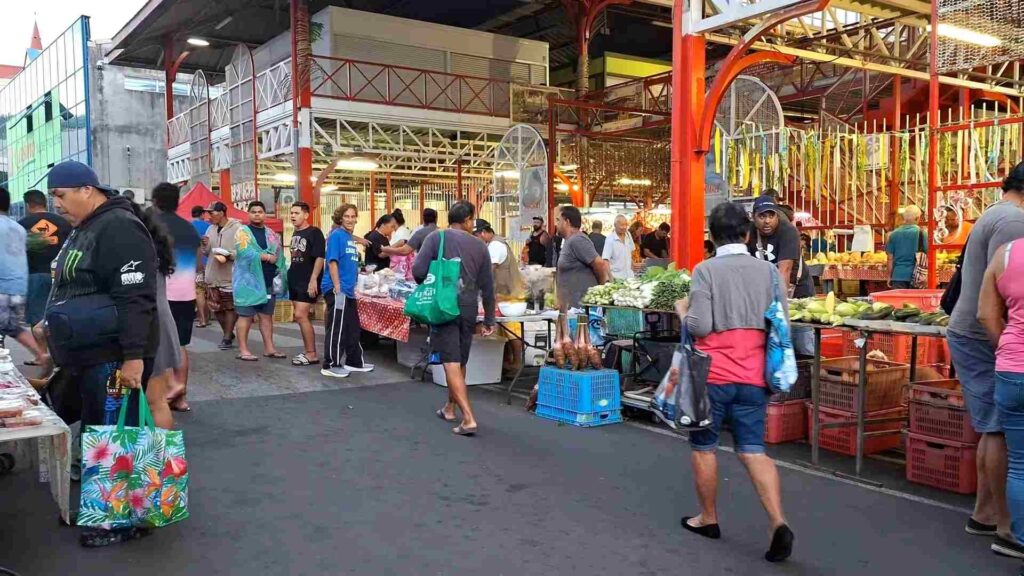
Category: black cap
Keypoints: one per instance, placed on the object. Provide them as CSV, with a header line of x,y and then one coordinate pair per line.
x,y
217,207
482,226
765,203
71,174
539,219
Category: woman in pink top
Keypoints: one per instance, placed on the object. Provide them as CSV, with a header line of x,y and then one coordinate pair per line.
x,y
729,295
1001,312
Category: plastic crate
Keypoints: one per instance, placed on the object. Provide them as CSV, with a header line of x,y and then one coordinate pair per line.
x,y
937,411
283,312
786,422
801,389
840,376
583,419
844,440
926,300
832,343
624,322
582,392
942,464
897,347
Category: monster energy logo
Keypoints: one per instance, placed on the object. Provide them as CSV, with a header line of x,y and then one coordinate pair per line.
x,y
71,263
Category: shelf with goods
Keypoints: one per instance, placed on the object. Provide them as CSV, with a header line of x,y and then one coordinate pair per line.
x,y
26,418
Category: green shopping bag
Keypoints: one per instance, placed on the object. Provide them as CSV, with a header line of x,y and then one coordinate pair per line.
x,y
436,300
133,476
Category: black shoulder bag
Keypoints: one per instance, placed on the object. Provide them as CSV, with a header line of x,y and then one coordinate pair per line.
x,y
952,293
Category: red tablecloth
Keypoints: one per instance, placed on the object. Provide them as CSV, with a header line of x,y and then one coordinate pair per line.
x,y
384,316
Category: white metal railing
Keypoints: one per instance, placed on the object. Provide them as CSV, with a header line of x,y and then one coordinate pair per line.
x,y
219,115
177,130
274,85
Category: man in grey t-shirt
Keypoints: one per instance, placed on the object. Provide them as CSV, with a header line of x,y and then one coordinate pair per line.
x,y
579,264
974,359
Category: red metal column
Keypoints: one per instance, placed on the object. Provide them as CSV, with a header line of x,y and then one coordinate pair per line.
x,y
894,156
552,153
687,172
423,201
225,186
458,178
933,140
299,12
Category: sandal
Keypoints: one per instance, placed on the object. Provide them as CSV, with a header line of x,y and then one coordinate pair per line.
x,y
706,530
247,358
179,405
302,360
275,355
440,414
463,431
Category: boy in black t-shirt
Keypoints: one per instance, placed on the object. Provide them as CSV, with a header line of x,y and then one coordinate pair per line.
x,y
304,276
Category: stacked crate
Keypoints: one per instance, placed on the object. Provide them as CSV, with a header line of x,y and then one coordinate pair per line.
x,y
838,401
941,444
786,419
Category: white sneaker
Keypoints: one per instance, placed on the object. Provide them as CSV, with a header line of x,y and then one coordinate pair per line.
x,y
334,372
366,367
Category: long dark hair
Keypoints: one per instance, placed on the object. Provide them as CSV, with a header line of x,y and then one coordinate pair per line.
x,y
162,240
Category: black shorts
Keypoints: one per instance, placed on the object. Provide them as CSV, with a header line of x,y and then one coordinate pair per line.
x,y
299,292
184,314
453,340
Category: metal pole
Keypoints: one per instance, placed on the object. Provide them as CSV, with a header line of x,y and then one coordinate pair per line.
x,y
894,157
862,386
458,178
933,141
389,201
552,153
815,390
373,199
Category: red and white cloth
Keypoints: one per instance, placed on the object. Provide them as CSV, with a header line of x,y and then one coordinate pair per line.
x,y
384,316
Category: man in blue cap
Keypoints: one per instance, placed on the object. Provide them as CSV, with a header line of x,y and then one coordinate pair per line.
x,y
101,316
776,240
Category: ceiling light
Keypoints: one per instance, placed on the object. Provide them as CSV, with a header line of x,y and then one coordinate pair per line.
x,y
633,182
197,42
223,23
562,186
357,164
568,167
284,177
328,188
510,174
967,35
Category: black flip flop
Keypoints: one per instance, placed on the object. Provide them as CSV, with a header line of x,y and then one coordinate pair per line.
x,y
440,414
711,531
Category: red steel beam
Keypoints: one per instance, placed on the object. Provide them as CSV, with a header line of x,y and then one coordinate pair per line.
x,y
933,138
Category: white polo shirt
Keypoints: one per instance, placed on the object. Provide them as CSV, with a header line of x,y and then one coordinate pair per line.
x,y
619,254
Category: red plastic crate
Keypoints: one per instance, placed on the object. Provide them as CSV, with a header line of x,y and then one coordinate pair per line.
x,y
786,422
926,300
844,440
832,343
897,347
937,411
942,464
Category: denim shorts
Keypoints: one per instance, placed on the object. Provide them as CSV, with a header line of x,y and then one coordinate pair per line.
x,y
250,311
743,407
975,363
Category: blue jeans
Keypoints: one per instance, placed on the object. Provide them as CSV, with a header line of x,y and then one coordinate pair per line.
x,y
744,407
1010,401
38,293
975,363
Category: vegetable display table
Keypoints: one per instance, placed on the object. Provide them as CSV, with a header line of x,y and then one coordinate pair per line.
x,y
384,316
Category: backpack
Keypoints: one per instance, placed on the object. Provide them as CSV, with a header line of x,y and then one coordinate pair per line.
x,y
952,293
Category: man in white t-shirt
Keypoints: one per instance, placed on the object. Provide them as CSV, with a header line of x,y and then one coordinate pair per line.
x,y
618,250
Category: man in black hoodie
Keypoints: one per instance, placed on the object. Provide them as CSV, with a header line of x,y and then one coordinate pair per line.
x,y
107,264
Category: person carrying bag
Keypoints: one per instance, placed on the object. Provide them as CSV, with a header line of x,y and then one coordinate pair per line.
x,y
436,300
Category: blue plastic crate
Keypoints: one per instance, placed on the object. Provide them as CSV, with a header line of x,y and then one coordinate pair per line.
x,y
582,392
584,419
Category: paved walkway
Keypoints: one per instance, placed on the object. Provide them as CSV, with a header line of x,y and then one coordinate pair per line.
x,y
367,481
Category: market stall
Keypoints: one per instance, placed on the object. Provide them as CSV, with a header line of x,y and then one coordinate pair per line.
x,y
24,418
